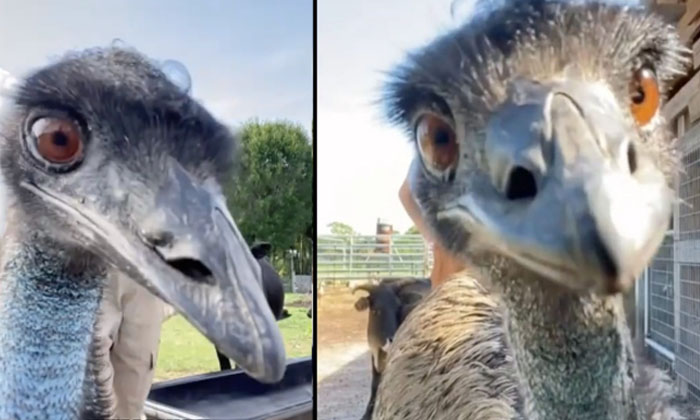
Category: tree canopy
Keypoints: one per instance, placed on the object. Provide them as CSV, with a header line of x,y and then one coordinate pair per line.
x,y
270,196
339,228
413,230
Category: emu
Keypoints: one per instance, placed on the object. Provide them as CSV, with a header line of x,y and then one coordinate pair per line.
x,y
389,302
110,166
541,156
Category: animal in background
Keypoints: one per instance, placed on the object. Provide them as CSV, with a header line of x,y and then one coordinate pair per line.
x,y
389,302
273,288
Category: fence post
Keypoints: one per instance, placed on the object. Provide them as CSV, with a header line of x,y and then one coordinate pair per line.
x,y
675,234
352,241
391,257
344,248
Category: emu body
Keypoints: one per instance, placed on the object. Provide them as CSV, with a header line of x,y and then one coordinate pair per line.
x,y
454,342
457,340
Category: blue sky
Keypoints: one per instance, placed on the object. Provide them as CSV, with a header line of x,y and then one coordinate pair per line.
x,y
247,58
362,161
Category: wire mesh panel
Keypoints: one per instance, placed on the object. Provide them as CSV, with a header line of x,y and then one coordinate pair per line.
x,y
371,257
688,260
688,353
660,295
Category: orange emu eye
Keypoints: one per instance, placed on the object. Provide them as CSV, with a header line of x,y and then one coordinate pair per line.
x,y
644,96
437,143
57,140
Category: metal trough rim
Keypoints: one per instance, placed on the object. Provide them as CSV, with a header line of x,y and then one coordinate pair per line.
x,y
157,410
209,375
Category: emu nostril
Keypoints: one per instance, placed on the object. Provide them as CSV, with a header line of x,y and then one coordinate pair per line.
x,y
158,237
521,184
632,158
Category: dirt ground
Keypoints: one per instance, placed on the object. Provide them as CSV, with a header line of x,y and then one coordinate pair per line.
x,y
343,357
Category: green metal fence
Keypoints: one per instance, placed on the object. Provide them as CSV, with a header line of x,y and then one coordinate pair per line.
x,y
348,258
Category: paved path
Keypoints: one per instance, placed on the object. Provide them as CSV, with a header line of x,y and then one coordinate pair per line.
x,y
343,358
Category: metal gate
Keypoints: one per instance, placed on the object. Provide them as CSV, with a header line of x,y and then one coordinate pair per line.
x,y
348,258
660,315
672,281
687,265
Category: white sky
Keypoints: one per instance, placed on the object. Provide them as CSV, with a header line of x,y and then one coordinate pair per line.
x,y
362,160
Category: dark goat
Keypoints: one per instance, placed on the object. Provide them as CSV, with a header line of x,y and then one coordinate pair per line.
x,y
389,303
272,288
272,283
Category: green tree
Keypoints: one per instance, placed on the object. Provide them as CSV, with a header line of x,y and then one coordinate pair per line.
x,y
413,230
271,194
338,228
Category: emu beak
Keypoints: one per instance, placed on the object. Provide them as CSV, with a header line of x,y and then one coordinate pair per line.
x,y
190,253
568,195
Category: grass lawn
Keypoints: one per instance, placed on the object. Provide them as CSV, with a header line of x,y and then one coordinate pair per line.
x,y
184,351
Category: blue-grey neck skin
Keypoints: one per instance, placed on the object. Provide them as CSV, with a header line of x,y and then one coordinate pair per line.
x,y
573,352
48,306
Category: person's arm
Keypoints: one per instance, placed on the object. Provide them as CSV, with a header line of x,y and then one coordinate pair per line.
x,y
411,207
444,264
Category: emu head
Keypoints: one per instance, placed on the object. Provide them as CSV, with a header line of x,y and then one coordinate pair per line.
x,y
540,143
107,158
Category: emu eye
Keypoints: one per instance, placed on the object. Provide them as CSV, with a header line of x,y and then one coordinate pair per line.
x,y
644,96
437,143
57,140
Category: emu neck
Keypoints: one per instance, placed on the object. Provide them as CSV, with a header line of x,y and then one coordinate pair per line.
x,y
573,352
48,306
